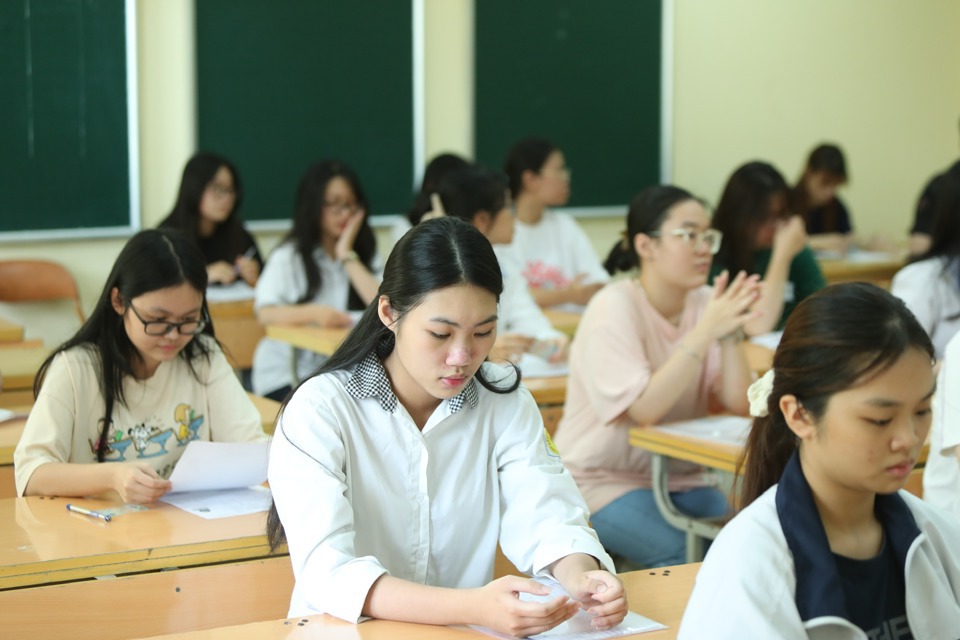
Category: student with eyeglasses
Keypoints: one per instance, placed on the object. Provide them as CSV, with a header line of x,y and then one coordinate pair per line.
x,y
326,266
762,236
206,212
658,347
142,378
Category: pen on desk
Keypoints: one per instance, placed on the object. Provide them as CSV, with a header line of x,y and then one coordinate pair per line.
x,y
87,512
247,255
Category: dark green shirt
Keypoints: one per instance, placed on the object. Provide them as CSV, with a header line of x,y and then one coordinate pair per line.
x,y
805,277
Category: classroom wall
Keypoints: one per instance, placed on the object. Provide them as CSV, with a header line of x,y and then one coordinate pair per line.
x,y
752,79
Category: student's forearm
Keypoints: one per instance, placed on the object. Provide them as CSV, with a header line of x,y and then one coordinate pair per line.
x,y
735,377
70,480
568,569
392,598
772,290
669,382
551,297
364,282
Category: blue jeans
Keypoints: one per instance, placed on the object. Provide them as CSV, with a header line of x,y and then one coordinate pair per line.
x,y
631,526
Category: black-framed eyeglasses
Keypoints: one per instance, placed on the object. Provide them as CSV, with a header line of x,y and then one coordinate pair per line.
x,y
711,238
162,327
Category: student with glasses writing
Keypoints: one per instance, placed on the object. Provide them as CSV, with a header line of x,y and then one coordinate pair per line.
x,y
658,347
142,378
327,265
761,236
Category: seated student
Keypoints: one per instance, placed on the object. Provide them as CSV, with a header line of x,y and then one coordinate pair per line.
x,y
142,377
479,196
206,212
558,262
814,198
760,236
656,348
376,456
326,265
921,234
435,170
930,285
827,545
941,476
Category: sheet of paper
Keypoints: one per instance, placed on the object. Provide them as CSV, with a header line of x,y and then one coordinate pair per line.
x,y
233,292
532,366
6,414
578,627
768,340
207,466
730,430
223,503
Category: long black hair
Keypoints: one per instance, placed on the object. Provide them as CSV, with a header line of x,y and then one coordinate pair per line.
x,y
529,154
151,260
647,213
306,234
435,254
198,173
835,339
945,243
439,167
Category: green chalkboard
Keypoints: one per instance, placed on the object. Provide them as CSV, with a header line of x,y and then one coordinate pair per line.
x,y
64,153
284,83
583,73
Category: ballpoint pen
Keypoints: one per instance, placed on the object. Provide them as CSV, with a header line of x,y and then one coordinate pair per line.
x,y
87,512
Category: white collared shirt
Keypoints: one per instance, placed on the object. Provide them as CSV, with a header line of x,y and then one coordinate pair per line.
x,y
362,491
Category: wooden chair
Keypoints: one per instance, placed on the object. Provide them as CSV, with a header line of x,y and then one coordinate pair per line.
x,y
38,281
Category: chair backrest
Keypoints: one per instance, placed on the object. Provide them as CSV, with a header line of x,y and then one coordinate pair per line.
x,y
38,280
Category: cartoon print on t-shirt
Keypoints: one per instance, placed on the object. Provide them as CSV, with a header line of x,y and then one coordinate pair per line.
x,y
144,437
189,423
150,441
543,276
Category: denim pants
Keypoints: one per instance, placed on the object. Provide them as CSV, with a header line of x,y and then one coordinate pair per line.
x,y
631,526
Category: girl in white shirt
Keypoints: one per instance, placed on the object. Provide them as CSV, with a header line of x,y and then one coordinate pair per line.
x,y
828,545
397,466
142,378
930,285
479,196
558,261
324,267
941,477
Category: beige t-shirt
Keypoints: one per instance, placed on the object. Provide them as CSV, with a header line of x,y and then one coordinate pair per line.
x,y
621,340
160,416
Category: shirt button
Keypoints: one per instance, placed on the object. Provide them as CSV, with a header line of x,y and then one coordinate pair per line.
x,y
421,497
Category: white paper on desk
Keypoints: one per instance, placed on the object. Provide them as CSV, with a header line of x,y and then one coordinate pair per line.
x,y
207,466
768,340
233,292
578,627
532,366
223,503
732,430
6,414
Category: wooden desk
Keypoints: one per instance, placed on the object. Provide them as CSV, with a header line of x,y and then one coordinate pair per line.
x,y
316,339
19,363
659,594
565,321
236,327
43,543
10,331
878,269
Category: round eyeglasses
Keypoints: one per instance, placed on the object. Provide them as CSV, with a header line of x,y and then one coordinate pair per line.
x,y
162,327
710,238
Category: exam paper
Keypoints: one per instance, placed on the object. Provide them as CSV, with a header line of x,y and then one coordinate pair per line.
x,y
578,627
223,503
532,366
768,340
220,465
233,292
732,430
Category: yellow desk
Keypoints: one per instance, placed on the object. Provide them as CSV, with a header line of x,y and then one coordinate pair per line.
x,y
317,339
19,363
237,329
565,321
10,331
43,543
659,594
879,269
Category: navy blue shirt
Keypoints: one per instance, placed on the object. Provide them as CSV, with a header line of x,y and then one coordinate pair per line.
x,y
875,594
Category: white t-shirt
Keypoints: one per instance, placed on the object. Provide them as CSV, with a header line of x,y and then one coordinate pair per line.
x,y
160,416
941,477
933,295
554,251
361,491
518,311
621,341
283,282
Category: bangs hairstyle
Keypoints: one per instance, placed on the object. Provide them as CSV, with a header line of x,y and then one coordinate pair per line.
x,y
647,213
828,159
198,173
151,260
837,339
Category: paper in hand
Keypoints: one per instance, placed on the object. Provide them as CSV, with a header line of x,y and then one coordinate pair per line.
x,y
206,466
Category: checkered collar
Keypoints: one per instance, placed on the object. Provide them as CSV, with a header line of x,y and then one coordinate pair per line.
x,y
370,380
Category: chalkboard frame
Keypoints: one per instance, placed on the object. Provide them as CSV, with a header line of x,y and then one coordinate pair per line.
x,y
125,222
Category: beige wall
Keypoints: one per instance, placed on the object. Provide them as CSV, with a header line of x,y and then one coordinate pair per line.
x,y
752,79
